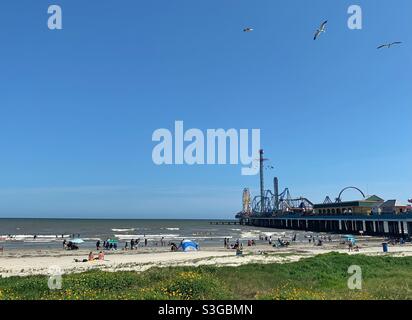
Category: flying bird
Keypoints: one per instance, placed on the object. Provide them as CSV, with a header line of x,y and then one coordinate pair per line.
x,y
248,30
388,45
321,29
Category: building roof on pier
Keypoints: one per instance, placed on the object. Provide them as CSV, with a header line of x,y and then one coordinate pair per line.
x,y
370,201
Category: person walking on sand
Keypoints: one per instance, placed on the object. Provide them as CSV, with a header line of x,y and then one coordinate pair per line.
x,y
98,245
145,242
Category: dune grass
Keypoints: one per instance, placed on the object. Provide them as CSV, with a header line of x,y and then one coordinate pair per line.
x,y
321,277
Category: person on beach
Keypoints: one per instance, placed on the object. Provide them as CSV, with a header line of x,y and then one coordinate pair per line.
x,y
126,246
91,256
145,242
98,245
101,256
64,244
132,244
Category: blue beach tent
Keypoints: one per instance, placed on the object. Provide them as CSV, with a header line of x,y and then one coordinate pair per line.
x,y
189,245
349,238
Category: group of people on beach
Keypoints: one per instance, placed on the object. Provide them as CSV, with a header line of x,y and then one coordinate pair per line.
x,y
318,241
68,245
107,245
132,245
236,245
92,257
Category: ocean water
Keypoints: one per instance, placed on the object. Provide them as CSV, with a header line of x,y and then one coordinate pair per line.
x,y
50,233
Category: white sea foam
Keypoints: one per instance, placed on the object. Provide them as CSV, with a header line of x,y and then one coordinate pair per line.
x,y
209,237
123,230
34,238
172,229
147,236
249,235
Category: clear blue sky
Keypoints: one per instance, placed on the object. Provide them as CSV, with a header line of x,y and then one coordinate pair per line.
x,y
78,106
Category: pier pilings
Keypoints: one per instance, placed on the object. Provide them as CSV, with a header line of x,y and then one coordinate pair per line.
x,y
388,225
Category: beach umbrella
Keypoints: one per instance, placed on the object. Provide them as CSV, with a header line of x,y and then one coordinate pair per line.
x,y
77,241
189,245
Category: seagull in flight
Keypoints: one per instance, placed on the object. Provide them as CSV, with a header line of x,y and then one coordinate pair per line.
x,y
388,45
248,30
321,29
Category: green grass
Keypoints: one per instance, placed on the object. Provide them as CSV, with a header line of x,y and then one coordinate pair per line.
x,y
321,277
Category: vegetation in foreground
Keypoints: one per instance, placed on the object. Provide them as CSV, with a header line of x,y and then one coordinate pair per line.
x,y
321,277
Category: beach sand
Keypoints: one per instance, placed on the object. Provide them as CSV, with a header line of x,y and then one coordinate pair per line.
x,y
24,263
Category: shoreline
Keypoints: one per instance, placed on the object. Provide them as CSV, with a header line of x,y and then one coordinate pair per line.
x,y
19,262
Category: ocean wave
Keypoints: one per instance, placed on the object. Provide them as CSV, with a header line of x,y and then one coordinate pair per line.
x,y
172,229
39,237
210,237
123,230
147,236
249,235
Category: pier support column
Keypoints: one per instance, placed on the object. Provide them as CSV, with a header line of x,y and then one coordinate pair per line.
x,y
374,226
400,224
340,225
364,226
385,227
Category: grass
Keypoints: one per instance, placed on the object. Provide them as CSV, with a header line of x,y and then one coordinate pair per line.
x,y
321,277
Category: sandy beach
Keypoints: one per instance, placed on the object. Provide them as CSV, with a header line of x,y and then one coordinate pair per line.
x,y
39,262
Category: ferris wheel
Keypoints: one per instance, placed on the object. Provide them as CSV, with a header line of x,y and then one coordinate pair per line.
x,y
246,208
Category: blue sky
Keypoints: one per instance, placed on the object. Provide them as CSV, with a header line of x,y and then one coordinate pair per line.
x,y
78,106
